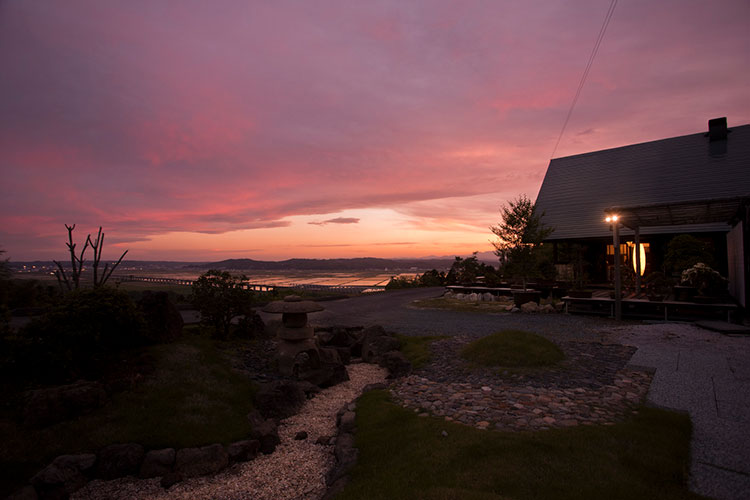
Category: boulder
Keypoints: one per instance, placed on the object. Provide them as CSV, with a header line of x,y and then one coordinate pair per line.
x,y
170,478
280,399
396,364
157,463
346,456
529,307
242,451
265,431
25,493
548,308
55,404
250,326
348,422
65,475
345,354
376,344
194,462
473,297
163,319
488,297
374,387
119,460
460,296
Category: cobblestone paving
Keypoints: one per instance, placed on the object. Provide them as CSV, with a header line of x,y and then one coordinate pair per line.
x,y
592,386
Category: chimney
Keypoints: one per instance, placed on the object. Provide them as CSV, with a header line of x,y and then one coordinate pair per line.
x,y
717,129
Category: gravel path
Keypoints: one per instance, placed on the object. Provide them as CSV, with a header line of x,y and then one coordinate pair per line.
x,y
296,470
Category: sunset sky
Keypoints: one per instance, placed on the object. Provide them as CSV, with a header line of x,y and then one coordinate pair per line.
x,y
270,130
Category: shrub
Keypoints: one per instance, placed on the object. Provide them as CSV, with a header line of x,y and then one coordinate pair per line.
x,y
77,336
399,282
685,251
219,297
705,279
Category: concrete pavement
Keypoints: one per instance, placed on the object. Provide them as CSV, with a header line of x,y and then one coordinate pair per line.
x,y
706,374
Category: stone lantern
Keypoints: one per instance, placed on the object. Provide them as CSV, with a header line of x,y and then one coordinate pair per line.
x,y
298,349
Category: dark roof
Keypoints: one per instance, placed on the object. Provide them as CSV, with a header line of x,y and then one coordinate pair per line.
x,y
577,189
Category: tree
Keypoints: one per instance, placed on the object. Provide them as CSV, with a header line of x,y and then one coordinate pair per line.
x,y
219,297
520,235
76,261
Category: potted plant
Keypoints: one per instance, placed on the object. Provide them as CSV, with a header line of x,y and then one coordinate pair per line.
x,y
657,286
711,286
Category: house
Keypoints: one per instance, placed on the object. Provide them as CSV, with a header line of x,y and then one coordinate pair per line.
x,y
697,184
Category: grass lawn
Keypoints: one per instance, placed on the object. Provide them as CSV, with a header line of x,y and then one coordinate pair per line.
x,y
405,456
512,349
417,349
193,398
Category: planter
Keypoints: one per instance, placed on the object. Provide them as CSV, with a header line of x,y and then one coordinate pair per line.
x,y
684,293
522,296
580,294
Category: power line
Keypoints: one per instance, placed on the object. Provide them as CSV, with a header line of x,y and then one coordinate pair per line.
x,y
590,62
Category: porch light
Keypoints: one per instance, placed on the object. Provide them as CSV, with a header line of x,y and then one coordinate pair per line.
x,y
611,218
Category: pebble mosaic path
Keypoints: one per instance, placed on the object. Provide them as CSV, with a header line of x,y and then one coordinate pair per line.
x,y
593,385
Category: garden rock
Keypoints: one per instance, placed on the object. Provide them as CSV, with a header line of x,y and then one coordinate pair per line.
x,y
488,297
374,347
396,364
242,451
65,475
280,399
55,404
348,422
170,479
194,462
157,463
118,460
549,308
163,320
265,431
530,307
26,493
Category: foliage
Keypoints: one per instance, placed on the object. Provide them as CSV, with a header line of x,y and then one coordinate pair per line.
x,y
77,337
657,285
512,349
575,254
432,278
706,280
685,251
399,282
520,234
402,455
466,271
219,297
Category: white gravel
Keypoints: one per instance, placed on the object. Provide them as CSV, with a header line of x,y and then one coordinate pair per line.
x,y
296,470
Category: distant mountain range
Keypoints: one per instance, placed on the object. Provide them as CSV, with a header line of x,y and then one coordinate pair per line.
x,y
359,264
355,264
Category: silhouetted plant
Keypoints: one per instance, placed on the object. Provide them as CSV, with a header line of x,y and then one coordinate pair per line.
x,y
219,297
520,234
76,337
685,251
76,261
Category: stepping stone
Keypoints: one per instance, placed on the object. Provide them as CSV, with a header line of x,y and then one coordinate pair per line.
x,y
724,327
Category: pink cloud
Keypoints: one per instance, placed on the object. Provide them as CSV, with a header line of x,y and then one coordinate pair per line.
x,y
152,119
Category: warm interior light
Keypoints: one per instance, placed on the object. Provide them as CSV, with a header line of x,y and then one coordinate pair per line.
x,y
642,251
